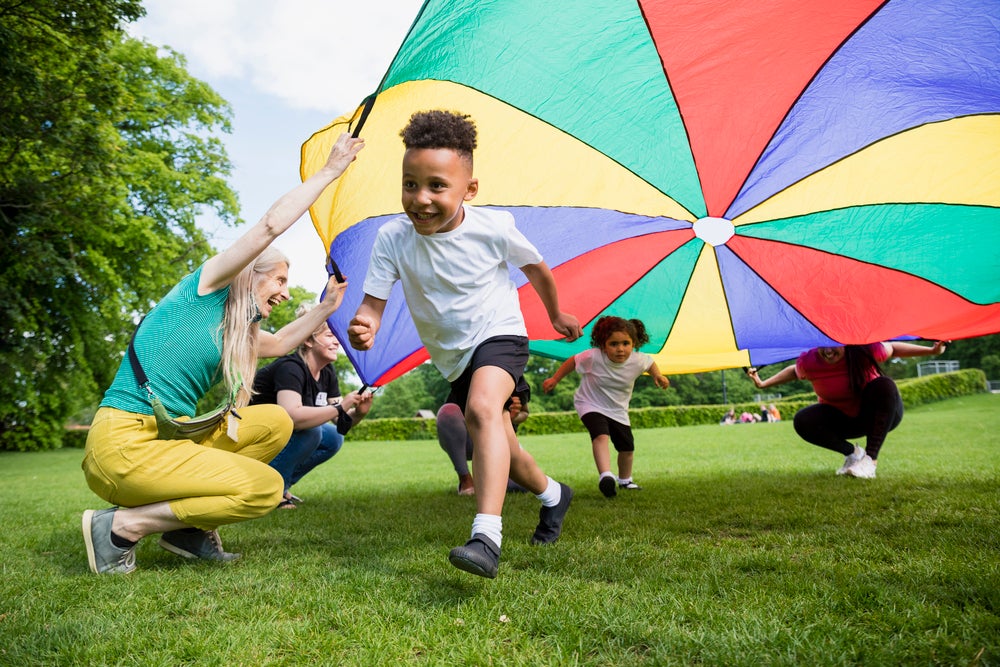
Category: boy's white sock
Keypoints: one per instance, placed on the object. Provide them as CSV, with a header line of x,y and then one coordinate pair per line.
x,y
606,473
490,525
552,494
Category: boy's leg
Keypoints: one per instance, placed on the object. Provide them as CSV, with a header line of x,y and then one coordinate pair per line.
x,y
492,434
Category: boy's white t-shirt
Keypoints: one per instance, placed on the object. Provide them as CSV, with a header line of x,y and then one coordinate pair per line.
x,y
606,386
457,284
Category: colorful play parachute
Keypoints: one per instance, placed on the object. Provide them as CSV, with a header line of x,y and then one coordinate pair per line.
x,y
749,177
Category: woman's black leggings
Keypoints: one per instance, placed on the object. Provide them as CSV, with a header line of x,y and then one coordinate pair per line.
x,y
826,426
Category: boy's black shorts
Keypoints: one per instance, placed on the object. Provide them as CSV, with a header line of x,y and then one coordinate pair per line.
x,y
620,434
507,352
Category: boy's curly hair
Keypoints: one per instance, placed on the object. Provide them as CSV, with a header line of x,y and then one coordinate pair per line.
x,y
609,324
441,129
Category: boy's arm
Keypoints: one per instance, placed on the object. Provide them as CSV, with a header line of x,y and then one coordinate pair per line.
x,y
567,367
544,283
366,322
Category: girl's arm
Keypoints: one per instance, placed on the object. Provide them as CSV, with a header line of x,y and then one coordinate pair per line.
x,y
567,367
541,279
659,379
366,322
219,270
290,336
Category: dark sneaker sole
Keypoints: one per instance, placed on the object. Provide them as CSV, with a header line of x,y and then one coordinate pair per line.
x,y
466,564
608,487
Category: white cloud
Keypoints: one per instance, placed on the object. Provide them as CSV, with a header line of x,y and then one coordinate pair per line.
x,y
287,67
317,55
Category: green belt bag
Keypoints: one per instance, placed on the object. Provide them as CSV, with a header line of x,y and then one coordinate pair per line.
x,y
167,428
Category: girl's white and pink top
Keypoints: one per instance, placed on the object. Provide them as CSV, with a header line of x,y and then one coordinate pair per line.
x,y
606,387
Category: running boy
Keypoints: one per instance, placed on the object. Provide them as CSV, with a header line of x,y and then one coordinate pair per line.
x,y
608,372
452,262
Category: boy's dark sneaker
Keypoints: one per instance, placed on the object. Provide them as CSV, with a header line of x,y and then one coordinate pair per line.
x,y
203,544
607,486
480,556
550,519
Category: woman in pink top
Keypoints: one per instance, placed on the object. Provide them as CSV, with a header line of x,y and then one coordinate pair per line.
x,y
855,398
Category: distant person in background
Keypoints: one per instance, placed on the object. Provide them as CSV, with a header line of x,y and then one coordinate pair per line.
x,y
855,399
729,417
773,413
453,436
608,371
305,384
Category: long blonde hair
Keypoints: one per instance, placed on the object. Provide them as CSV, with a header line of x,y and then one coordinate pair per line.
x,y
241,326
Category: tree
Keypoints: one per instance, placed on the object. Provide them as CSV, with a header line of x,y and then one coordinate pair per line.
x,y
107,156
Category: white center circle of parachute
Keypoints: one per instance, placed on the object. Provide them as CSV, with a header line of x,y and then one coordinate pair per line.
x,y
714,231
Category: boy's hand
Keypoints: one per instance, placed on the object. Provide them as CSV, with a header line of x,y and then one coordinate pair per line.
x,y
361,332
568,326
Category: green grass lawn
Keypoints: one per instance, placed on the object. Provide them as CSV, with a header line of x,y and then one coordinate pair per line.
x,y
743,548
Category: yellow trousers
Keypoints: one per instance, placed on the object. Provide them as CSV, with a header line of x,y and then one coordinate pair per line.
x,y
208,484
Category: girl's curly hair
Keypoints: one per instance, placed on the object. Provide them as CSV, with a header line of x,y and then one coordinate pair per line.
x,y
609,324
441,129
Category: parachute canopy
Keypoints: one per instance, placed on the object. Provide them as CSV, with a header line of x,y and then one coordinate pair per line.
x,y
750,178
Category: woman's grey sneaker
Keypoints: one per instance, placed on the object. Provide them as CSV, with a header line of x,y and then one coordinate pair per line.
x,y
203,544
480,556
607,487
103,556
550,519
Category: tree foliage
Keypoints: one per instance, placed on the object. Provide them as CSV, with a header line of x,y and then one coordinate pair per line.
x,y
107,155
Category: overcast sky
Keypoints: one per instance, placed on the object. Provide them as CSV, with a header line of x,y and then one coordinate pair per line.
x,y
287,67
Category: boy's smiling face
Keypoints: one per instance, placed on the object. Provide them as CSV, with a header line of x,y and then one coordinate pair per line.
x,y
436,181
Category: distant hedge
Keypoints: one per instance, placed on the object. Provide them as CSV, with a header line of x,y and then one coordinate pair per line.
x,y
915,391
